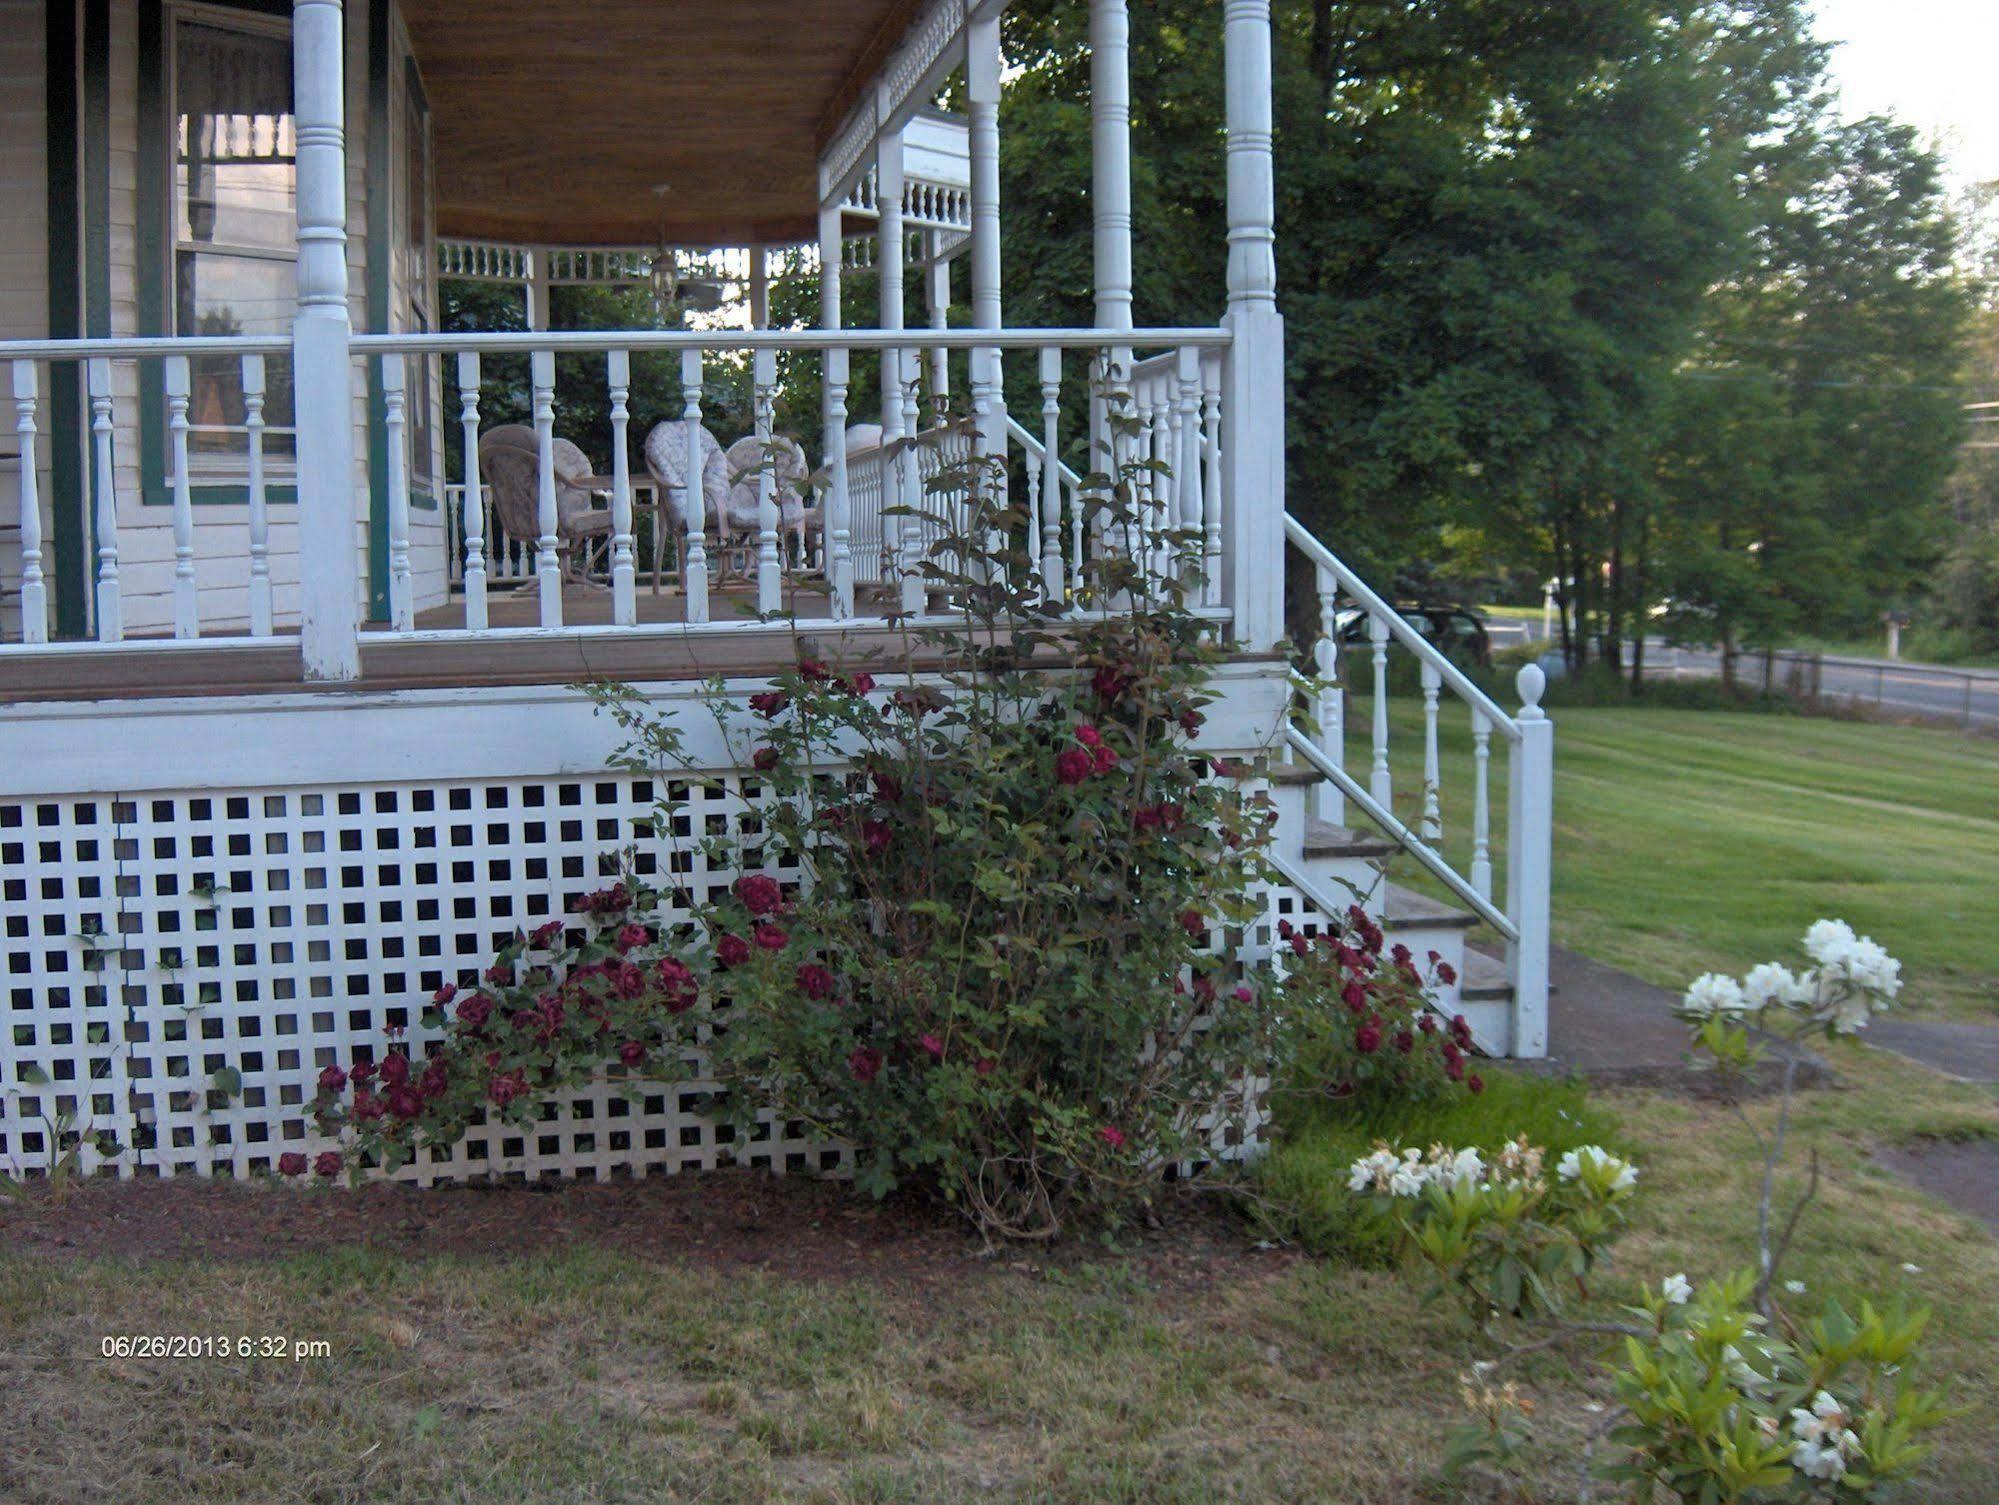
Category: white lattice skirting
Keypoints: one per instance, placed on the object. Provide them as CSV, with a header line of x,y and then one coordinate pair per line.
x,y
189,937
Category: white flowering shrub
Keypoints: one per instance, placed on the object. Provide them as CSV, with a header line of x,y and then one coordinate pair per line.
x,y
1854,980
1722,1404
1725,1397
1506,1237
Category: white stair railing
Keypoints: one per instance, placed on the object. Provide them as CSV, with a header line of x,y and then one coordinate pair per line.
x,y
1522,919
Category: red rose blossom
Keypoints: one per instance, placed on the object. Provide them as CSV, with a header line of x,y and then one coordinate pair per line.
x,y
549,934
759,893
1404,1041
631,1052
770,938
1367,1039
769,702
367,1107
474,1010
327,1164
812,670
875,836
986,1066
1106,760
858,684
678,984
888,788
632,935
764,759
1111,1135
732,951
1446,973
865,1062
395,1069
1475,1084
505,1087
444,994
813,981
1190,721
934,1046
1073,765
291,1163
1193,924
1089,736
404,1101
333,1079
1109,683
500,975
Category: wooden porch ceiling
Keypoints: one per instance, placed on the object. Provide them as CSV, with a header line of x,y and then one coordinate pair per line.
x,y
553,124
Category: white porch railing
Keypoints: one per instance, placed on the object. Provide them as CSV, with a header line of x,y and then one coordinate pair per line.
x,y
111,375
868,547
1521,914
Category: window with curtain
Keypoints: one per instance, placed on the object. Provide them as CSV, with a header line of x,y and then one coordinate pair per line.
x,y
234,211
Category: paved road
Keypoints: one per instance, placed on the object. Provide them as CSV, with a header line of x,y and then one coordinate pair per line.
x,y
1968,697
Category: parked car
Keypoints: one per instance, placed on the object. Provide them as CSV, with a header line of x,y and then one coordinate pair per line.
x,y
1457,630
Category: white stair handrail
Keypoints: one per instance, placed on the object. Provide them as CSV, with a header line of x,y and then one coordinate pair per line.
x,y
1398,626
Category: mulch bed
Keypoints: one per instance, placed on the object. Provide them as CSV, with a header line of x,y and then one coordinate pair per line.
x,y
731,1220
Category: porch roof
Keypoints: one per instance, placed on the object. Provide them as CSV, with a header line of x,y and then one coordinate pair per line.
x,y
552,126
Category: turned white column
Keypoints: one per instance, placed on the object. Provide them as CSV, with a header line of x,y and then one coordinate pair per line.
x,y
322,374
982,100
937,295
899,535
1110,159
1253,375
759,287
835,509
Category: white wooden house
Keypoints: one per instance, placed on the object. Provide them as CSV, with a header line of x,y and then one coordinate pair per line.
x,y
287,738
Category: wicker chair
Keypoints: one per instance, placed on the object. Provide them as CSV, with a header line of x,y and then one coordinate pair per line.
x,y
510,463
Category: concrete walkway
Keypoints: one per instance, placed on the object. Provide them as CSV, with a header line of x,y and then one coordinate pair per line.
x,y
1968,1052
1612,1027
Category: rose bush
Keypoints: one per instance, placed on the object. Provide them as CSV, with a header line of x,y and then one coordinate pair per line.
x,y
985,932
1359,1022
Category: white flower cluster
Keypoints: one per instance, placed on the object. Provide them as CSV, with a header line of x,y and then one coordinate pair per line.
x,y
1405,1173
1597,1167
1825,1444
1855,978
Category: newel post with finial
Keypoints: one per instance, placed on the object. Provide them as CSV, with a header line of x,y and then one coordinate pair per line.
x,y
1530,830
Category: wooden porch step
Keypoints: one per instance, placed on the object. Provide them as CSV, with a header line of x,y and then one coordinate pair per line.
x,y
1406,908
1482,979
1323,839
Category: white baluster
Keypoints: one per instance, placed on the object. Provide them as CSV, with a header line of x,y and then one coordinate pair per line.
x,y
919,463
1380,783
34,592
261,624
547,562
1051,471
474,500
1433,820
624,593
694,565
1187,461
770,574
1211,480
1329,800
1481,808
839,503
187,606
395,406
110,610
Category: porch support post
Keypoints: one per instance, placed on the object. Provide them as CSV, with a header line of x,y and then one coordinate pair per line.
x,y
537,287
322,372
899,534
1110,159
835,509
759,287
937,297
1253,374
982,98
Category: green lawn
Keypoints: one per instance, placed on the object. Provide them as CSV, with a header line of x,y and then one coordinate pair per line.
x,y
1692,840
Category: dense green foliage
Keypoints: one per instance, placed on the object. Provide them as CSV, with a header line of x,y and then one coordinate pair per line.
x,y
1602,290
